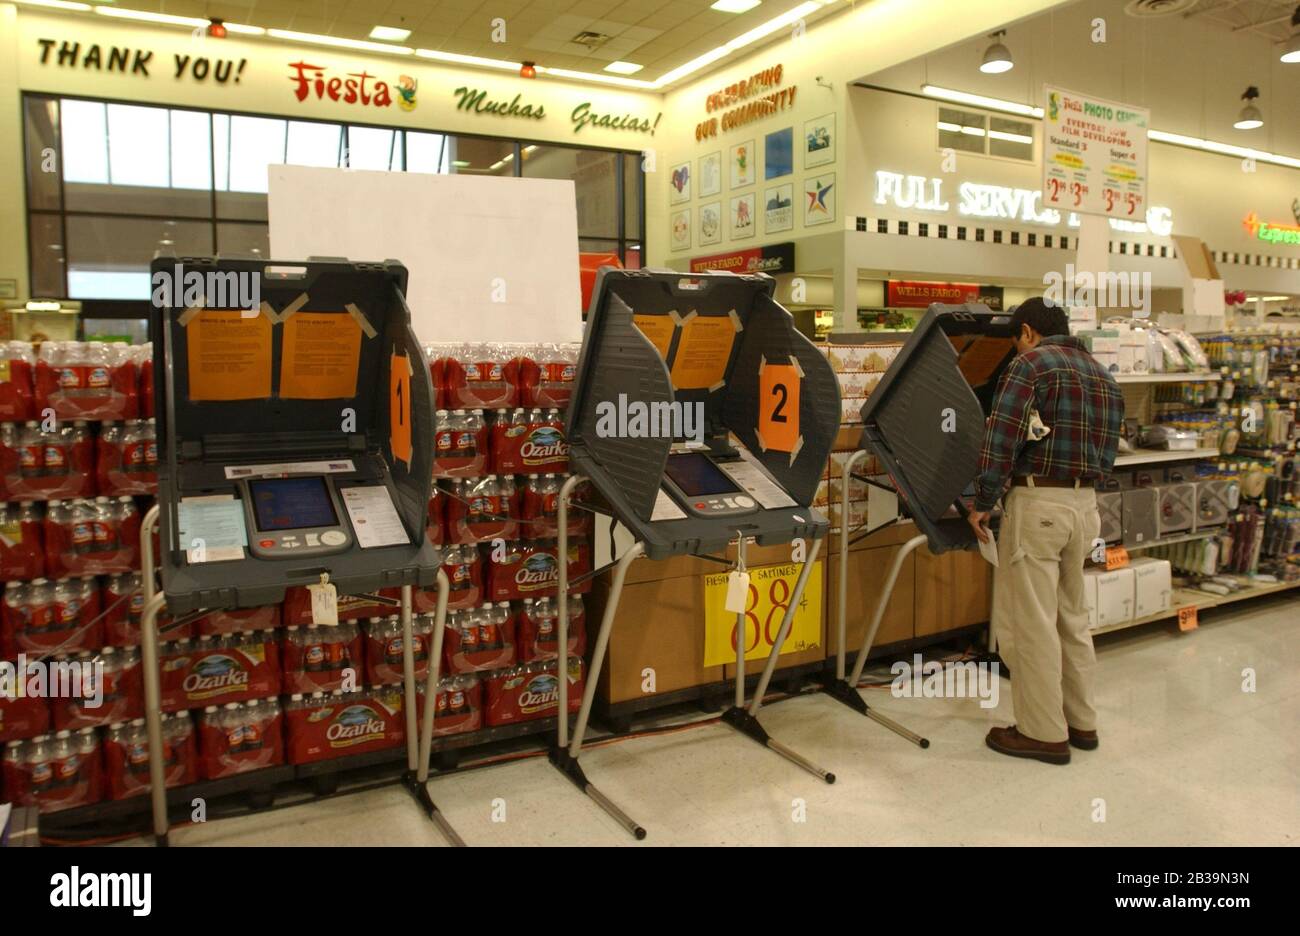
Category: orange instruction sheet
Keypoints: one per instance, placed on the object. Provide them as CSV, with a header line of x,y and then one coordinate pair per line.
x,y
657,328
229,356
703,352
322,351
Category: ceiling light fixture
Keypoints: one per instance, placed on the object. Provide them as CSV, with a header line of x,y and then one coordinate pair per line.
x,y
623,68
146,17
734,6
1291,49
997,57
57,5
390,33
528,70
980,100
339,41
217,28
1249,118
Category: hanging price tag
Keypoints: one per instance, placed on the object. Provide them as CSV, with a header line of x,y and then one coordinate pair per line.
x,y
324,604
737,592
1187,618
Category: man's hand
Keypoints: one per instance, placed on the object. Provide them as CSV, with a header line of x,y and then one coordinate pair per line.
x,y
978,520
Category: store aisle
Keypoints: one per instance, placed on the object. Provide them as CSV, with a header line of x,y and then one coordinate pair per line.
x,y
1186,758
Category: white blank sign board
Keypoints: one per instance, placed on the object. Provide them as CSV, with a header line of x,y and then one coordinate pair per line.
x,y
490,259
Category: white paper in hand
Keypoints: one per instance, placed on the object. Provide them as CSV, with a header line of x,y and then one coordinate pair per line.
x,y
737,592
989,550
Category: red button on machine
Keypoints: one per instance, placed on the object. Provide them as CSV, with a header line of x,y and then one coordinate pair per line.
x,y
266,544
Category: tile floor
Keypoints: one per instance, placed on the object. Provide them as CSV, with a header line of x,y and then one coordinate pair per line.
x,y
1186,757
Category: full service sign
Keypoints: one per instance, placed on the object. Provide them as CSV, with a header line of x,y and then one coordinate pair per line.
x,y
1094,155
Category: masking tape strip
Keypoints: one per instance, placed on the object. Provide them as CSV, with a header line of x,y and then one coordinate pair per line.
x,y
361,320
269,312
188,315
735,320
758,434
683,319
294,306
717,386
794,452
794,361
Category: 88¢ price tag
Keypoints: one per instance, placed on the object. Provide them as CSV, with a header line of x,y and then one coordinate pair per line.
x,y
769,593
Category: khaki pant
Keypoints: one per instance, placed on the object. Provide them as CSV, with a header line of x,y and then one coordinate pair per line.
x,y
1040,610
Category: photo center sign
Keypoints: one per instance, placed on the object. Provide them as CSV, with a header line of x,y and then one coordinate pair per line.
x,y
1094,155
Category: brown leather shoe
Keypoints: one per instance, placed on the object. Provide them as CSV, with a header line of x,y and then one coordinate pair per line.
x,y
1084,740
1012,742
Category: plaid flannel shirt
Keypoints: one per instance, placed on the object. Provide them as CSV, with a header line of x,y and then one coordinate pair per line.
x,y
1075,397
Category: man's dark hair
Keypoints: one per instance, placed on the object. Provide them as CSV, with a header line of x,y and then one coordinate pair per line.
x,y
1043,316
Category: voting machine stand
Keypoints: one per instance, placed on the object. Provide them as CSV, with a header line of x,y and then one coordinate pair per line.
x,y
719,345
924,423
295,450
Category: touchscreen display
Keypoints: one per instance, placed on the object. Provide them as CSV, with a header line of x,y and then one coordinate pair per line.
x,y
292,503
697,476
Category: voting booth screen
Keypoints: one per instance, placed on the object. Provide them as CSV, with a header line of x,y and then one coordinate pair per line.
x,y
319,390
925,420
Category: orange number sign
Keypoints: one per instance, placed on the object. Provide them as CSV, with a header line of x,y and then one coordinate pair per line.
x,y
778,407
399,407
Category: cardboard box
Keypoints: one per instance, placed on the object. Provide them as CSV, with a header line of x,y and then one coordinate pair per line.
x,y
1153,590
1108,359
1090,593
1115,597
1100,340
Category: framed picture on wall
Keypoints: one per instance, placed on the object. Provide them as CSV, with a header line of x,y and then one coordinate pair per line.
x,y
710,174
819,199
778,208
778,153
743,221
741,159
819,141
711,223
679,183
681,229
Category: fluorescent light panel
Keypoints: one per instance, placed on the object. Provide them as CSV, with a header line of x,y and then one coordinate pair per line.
x,y
146,17
734,6
57,5
390,34
338,41
623,68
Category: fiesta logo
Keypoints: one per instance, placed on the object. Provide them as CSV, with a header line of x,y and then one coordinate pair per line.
x,y
215,673
544,442
356,724
541,691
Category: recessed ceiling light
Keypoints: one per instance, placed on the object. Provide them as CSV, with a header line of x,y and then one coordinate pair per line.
x,y
623,68
734,6
389,33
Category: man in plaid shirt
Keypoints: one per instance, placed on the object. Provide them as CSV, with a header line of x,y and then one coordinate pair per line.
x,y
1053,433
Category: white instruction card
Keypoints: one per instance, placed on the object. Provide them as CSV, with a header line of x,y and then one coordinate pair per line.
x,y
235,472
753,477
666,508
211,528
374,518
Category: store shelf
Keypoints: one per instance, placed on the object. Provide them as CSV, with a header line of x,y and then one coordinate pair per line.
x,y
1172,540
1191,597
1151,456
1166,378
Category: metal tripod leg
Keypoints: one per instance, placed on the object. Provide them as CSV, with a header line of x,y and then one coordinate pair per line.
x,y
846,690
417,777
153,603
746,721
564,755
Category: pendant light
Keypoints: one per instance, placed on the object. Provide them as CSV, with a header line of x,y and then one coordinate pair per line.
x,y
997,57
1291,49
1249,118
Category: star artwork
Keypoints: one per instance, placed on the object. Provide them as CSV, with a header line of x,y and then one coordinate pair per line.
x,y
817,199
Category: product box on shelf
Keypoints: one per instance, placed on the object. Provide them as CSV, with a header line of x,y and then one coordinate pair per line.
x,y
537,635
1115,597
479,639
39,465
546,374
1152,586
240,736
23,716
88,380
539,508
464,568
217,623
213,670
126,755
54,771
529,691
111,689
1090,594
460,705
460,444
384,648
322,659
123,606
296,610
529,570
99,537
126,458
529,442
42,617
321,726
480,510
474,375
22,541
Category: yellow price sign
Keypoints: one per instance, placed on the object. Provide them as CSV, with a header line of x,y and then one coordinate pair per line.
x,y
770,591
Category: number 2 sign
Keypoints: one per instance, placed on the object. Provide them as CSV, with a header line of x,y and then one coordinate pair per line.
x,y
778,407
